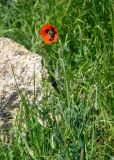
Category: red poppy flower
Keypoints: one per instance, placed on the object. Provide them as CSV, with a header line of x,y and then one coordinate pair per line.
x,y
49,33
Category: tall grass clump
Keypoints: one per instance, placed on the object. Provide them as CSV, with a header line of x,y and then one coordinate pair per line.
x,y
75,122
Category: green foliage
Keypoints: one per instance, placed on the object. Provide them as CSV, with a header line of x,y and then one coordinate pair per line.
x,y
76,122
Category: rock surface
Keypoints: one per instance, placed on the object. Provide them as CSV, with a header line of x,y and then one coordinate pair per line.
x,y
20,71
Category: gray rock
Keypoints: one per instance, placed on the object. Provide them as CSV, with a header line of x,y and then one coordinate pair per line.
x,y
20,72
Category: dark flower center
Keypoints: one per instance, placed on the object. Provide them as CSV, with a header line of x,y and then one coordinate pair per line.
x,y
47,30
51,32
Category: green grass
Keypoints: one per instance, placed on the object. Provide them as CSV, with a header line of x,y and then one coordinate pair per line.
x,y
84,102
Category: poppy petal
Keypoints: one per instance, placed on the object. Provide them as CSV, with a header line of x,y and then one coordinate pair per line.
x,y
49,33
44,28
